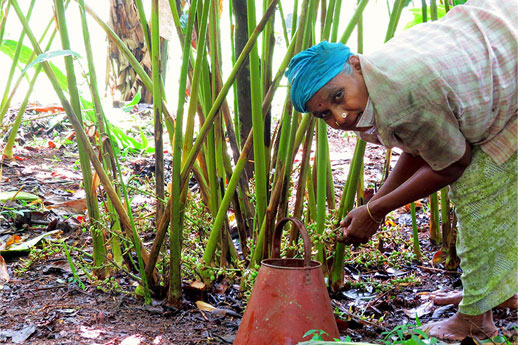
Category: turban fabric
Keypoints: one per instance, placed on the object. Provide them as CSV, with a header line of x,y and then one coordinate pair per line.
x,y
312,68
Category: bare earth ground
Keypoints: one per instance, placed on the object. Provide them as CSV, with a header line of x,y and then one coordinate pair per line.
x,y
40,305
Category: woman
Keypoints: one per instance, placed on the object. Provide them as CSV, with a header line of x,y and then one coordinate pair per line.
x,y
445,93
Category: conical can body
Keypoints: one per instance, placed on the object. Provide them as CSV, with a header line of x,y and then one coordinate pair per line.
x,y
288,299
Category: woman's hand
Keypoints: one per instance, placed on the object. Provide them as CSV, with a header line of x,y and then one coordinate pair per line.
x,y
358,226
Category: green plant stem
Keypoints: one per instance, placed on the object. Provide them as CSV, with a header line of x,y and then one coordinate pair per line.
x,y
91,195
434,218
336,20
337,270
445,212
16,56
415,233
257,123
174,296
321,161
354,21
433,9
101,118
150,43
157,102
8,150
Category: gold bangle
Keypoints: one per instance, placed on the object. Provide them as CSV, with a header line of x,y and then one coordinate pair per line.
x,y
372,217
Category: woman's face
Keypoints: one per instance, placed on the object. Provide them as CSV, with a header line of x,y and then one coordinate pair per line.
x,y
344,94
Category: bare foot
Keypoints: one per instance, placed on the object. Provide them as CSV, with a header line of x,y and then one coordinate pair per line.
x,y
445,298
511,303
454,297
460,326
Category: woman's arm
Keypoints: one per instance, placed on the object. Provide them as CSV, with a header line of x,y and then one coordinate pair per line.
x,y
411,180
405,167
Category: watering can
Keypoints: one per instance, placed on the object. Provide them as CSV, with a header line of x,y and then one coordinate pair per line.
x,y
288,299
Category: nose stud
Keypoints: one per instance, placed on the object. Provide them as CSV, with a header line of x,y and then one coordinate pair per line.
x,y
344,115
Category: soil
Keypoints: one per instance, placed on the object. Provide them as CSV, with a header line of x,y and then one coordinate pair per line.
x,y
42,304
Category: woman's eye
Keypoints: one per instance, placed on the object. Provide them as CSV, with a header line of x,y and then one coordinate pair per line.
x,y
324,114
338,95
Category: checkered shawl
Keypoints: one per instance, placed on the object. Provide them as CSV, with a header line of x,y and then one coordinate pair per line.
x,y
441,83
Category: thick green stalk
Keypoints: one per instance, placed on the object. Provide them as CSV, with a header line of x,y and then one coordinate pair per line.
x,y
101,118
337,270
354,21
434,218
433,10
215,138
283,24
237,127
257,123
193,100
15,58
157,104
294,24
330,186
8,150
394,18
145,27
303,177
336,20
445,212
99,249
174,296
322,158
424,8
329,19
415,232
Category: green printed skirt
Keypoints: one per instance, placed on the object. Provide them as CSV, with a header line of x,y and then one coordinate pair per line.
x,y
486,200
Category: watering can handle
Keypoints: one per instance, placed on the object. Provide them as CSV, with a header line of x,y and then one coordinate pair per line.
x,y
276,247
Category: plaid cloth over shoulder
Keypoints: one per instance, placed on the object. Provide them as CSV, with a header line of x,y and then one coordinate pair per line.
x,y
441,83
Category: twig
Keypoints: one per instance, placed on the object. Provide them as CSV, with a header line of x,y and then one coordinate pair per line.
x,y
437,269
33,119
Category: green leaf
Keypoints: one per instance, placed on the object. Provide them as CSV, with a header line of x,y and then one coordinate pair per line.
x,y
144,140
26,246
127,108
310,332
14,195
8,47
50,55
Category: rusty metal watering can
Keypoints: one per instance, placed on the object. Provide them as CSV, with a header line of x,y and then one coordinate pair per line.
x,y
288,299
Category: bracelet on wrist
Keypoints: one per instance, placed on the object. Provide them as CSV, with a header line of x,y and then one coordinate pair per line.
x,y
372,217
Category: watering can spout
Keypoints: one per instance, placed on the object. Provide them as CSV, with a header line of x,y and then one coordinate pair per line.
x,y
288,299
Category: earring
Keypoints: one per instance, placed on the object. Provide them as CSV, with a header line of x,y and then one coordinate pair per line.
x,y
337,124
344,115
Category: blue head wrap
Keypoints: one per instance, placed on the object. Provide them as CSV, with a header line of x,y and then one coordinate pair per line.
x,y
313,68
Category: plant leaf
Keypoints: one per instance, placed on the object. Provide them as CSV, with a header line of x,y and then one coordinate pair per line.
x,y
15,195
26,246
8,47
49,55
